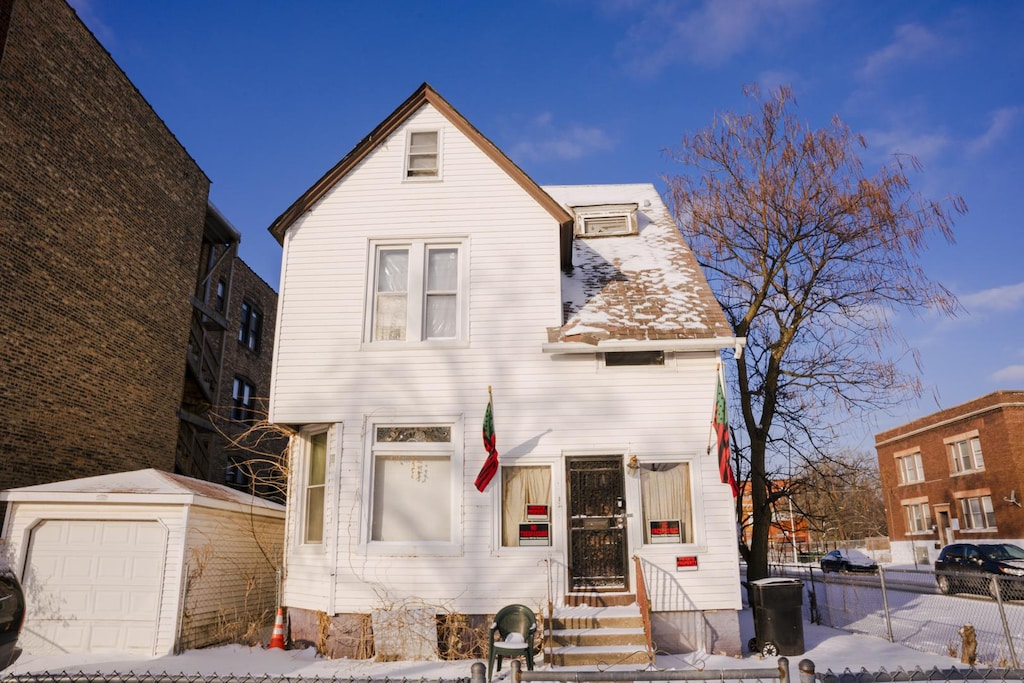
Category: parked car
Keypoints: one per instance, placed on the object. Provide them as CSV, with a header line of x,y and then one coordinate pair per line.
x,y
12,615
843,560
968,567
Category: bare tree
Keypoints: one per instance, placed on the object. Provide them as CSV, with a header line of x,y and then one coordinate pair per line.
x,y
808,256
840,497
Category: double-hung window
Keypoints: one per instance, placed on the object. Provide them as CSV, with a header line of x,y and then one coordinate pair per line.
x,y
251,326
417,292
977,513
423,155
243,399
910,468
413,487
315,489
919,517
965,454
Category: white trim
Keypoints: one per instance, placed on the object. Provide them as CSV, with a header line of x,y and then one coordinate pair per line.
x,y
684,345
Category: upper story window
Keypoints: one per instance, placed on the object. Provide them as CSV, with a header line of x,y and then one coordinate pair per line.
x,y
243,399
251,326
222,288
423,154
605,220
623,358
965,454
910,468
417,292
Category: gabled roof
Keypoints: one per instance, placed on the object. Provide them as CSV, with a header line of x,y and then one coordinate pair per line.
x,y
635,291
148,486
423,95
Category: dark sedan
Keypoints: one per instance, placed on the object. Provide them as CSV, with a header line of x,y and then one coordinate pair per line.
x,y
12,614
842,560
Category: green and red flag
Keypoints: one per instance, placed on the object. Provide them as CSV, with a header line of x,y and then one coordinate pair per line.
x,y
720,424
490,467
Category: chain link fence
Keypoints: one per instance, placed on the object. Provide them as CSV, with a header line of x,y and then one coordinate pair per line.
x,y
981,623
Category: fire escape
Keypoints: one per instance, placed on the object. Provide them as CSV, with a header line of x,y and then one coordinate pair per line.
x,y
199,443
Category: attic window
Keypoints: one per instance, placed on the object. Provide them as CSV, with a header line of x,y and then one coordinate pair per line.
x,y
621,358
605,220
423,154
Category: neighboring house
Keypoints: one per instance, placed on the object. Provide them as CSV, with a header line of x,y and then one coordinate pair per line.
x,y
955,475
105,224
426,272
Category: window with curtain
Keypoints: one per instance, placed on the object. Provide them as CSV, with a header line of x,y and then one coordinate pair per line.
x,y
316,477
665,496
417,292
412,484
522,486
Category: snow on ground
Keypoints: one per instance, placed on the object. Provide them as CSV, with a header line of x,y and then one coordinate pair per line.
x,y
828,648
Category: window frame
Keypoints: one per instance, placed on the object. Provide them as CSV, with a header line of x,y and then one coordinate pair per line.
x,y
923,519
242,406
250,327
689,527
500,515
304,484
903,471
956,456
409,174
967,515
453,449
417,292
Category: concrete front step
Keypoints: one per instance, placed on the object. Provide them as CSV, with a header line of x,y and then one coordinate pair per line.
x,y
589,636
599,655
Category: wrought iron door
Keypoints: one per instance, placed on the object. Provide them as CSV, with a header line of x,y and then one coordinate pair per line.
x,y
597,524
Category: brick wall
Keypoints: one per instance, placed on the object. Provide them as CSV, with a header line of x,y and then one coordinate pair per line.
x,y
101,219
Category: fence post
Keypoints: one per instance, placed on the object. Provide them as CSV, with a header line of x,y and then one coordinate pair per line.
x,y
478,673
994,589
806,668
885,604
784,670
516,673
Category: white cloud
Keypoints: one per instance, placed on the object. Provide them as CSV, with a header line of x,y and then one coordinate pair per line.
x,y
711,34
925,145
1001,123
911,43
1011,374
543,140
1001,299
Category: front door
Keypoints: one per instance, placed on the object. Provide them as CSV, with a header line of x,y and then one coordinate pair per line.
x,y
597,525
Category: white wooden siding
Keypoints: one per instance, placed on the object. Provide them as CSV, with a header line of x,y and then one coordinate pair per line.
x,y
545,406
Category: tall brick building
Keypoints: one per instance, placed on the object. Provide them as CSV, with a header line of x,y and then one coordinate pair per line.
x,y
106,241
955,475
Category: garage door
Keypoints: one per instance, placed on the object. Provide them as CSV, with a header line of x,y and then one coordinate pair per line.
x,y
93,586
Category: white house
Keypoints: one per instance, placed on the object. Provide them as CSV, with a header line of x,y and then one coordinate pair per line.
x,y
425,274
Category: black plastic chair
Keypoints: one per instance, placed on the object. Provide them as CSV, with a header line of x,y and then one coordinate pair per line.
x,y
512,636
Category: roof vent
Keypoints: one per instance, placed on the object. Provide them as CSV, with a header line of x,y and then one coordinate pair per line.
x,y
605,220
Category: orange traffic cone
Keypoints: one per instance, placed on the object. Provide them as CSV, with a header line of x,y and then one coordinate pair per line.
x,y
277,637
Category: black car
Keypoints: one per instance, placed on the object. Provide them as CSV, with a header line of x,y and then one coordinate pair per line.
x,y
841,560
969,567
12,614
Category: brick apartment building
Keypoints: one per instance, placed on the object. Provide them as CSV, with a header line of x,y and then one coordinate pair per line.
x,y
107,245
955,475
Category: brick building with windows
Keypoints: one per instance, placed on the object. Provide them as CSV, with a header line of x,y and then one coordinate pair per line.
x,y
114,351
955,475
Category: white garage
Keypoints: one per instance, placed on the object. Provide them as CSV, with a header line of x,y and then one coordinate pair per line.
x,y
146,562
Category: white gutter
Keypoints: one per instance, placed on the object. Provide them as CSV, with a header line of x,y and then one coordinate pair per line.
x,y
737,344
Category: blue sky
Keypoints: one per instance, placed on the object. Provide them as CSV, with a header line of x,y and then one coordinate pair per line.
x,y
266,96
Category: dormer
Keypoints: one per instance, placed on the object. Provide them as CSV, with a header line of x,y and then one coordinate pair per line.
x,y
605,220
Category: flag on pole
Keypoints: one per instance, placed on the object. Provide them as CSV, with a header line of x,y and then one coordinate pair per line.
x,y
490,467
720,423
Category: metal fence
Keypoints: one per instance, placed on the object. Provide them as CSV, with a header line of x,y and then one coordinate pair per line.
x,y
982,623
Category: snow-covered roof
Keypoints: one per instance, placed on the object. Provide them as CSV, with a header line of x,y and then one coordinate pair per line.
x,y
643,287
149,485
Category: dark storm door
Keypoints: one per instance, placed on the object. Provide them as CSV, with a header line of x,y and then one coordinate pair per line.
x,y
597,525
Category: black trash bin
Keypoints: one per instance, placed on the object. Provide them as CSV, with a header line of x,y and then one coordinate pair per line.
x,y
778,617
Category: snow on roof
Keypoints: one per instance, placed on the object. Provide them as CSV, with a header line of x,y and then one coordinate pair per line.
x,y
647,286
129,486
